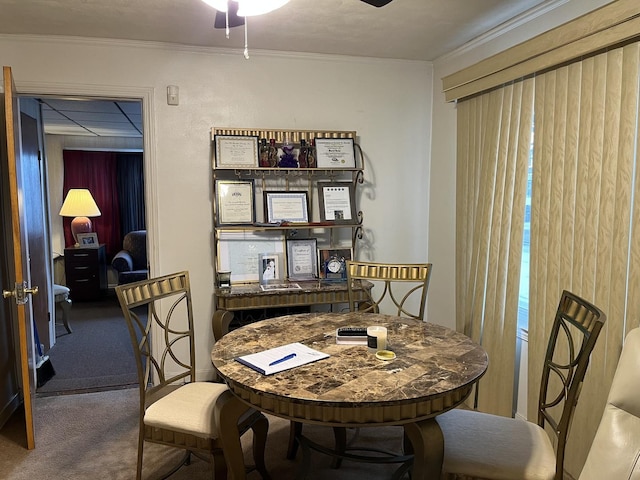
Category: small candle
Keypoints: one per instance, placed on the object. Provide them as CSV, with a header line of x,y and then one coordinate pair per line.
x,y
376,338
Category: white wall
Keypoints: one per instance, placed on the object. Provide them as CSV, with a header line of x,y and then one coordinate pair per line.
x,y
387,102
442,213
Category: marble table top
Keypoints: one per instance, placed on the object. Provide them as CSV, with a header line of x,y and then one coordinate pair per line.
x,y
434,370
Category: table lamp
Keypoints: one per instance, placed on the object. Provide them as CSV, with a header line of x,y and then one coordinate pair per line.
x,y
79,204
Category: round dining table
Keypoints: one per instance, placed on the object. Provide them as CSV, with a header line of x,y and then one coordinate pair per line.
x,y
434,370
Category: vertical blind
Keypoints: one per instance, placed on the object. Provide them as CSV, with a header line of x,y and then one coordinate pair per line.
x,y
494,137
584,221
584,216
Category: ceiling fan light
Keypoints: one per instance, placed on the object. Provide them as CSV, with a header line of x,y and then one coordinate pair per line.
x,y
248,8
219,5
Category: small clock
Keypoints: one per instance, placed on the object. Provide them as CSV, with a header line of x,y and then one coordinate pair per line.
x,y
335,268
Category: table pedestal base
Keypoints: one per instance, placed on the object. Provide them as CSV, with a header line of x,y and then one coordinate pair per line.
x,y
424,439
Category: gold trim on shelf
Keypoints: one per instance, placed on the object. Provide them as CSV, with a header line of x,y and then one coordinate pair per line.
x,y
279,134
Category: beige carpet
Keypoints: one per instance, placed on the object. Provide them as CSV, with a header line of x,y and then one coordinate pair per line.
x,y
94,435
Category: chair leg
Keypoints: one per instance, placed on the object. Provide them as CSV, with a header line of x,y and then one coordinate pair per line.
x,y
295,429
219,470
229,411
340,435
260,430
140,453
66,310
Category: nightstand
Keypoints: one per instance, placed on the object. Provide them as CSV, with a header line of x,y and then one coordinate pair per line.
x,y
86,272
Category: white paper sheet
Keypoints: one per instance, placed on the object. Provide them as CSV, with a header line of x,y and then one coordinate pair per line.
x,y
263,361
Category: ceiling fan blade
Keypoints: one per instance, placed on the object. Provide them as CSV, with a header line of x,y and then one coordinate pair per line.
x,y
377,3
234,19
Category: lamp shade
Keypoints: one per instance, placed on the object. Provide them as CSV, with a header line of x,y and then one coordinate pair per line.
x,y
79,204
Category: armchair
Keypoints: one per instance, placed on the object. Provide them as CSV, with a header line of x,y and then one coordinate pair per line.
x,y
131,262
615,451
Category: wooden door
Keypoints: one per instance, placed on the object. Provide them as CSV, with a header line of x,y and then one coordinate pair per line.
x,y
16,281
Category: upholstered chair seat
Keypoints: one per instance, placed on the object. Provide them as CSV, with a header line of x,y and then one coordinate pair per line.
x,y
520,449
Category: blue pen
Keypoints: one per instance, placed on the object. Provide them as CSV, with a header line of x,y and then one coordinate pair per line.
x,y
283,359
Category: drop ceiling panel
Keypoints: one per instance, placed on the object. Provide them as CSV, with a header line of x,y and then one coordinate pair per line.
x,y
100,118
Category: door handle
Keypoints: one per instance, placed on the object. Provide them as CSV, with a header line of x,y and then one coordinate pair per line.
x,y
20,292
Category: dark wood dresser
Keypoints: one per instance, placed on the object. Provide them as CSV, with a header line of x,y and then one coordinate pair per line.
x,y
86,272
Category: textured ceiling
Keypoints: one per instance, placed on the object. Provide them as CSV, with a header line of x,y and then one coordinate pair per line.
x,y
403,29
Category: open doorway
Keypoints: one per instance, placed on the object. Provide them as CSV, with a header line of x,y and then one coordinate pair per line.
x,y
93,354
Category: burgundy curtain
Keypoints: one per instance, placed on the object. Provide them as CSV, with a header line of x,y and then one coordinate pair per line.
x,y
96,171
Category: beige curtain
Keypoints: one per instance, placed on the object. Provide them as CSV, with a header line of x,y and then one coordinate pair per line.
x,y
494,136
585,217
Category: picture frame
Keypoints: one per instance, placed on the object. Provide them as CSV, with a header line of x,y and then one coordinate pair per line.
x,y
324,254
302,259
335,153
337,202
236,151
286,207
88,240
235,202
270,268
238,252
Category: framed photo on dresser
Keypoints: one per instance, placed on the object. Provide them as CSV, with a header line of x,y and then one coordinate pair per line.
x,y
88,240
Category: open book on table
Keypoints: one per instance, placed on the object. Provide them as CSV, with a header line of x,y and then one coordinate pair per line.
x,y
281,358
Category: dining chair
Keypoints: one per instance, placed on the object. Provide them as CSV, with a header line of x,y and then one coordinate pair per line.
x,y
615,450
491,447
203,418
399,286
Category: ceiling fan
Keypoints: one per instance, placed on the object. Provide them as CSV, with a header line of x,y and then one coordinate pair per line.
x,y
231,18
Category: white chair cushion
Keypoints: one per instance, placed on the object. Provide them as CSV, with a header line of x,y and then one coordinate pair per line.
x,y
493,447
189,409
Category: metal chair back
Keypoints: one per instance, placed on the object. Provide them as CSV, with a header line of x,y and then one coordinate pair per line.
x,y
400,286
573,336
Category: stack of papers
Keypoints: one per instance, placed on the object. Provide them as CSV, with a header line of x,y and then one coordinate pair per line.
x,y
281,358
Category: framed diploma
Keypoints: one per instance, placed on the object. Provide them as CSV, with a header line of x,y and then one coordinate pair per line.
x,y
302,259
239,253
337,202
335,153
286,207
236,151
234,202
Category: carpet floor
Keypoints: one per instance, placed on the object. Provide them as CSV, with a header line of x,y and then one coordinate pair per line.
x,y
94,435
97,355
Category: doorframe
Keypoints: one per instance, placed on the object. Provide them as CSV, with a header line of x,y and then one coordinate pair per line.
x,y
146,96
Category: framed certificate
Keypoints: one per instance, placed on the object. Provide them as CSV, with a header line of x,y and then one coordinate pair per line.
x,y
337,202
335,153
302,259
286,207
234,202
239,151
239,253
